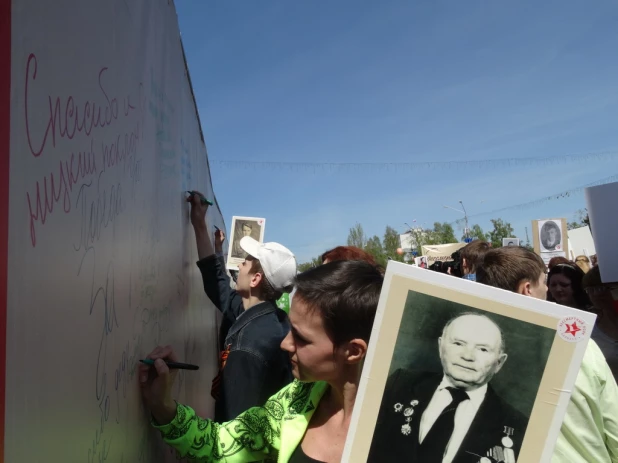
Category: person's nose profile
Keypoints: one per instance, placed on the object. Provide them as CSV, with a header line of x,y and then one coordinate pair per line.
x,y
287,344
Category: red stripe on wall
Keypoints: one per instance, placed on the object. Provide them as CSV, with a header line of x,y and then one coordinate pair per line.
x,y
5,136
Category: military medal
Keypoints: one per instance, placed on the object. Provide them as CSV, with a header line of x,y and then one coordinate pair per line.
x,y
506,440
406,429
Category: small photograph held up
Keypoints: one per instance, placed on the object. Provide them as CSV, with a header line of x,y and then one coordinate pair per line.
x,y
241,227
550,235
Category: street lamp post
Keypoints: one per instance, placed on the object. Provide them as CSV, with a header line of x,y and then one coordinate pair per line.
x,y
466,230
466,218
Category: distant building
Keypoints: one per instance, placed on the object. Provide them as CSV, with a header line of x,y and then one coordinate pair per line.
x,y
408,240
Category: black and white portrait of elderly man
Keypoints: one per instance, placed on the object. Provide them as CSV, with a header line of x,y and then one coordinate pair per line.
x,y
455,417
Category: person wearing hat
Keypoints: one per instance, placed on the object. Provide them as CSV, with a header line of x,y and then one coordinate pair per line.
x,y
252,366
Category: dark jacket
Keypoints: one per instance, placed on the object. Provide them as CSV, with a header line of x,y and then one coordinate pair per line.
x,y
256,366
486,430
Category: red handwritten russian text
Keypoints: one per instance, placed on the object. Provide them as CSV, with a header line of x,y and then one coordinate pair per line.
x,y
66,118
59,186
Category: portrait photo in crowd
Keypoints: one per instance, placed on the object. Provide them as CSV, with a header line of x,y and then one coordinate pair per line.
x,y
550,235
421,261
510,241
241,227
550,238
460,371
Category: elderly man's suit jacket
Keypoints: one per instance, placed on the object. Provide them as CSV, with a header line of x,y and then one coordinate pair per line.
x,y
392,443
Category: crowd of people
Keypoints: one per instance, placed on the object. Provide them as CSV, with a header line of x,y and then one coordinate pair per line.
x,y
287,384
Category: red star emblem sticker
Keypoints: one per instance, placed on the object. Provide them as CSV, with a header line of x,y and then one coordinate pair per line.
x,y
572,329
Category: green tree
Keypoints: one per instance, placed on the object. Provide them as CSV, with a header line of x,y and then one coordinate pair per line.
x,y
418,237
501,230
391,243
309,265
357,237
375,248
580,219
476,233
442,233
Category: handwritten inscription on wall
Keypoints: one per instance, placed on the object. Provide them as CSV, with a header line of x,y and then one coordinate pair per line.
x,y
96,177
67,118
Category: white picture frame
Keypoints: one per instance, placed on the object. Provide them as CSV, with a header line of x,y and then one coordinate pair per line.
x,y
555,373
243,226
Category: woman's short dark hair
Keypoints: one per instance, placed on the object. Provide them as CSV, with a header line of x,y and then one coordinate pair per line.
x,y
575,276
345,293
557,260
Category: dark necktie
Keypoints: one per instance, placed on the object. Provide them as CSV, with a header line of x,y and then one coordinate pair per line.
x,y
434,445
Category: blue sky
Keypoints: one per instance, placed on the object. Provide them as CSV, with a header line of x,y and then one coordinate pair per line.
x,y
400,81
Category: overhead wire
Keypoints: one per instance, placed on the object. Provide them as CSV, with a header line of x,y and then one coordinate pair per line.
x,y
320,166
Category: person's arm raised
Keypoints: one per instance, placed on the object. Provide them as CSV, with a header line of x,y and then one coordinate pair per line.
x,y
212,267
198,220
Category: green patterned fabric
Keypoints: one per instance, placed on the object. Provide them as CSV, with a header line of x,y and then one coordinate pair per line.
x,y
284,303
269,433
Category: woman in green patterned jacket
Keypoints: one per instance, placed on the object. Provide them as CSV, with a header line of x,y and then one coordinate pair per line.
x,y
306,422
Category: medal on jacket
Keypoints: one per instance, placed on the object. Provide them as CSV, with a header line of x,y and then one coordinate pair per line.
x,y
507,442
406,429
504,453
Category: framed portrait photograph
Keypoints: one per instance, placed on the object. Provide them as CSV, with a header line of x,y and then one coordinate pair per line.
x,y
510,241
421,262
464,372
550,235
550,238
243,226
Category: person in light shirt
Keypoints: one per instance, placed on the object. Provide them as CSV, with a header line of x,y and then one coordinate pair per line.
x,y
589,432
455,417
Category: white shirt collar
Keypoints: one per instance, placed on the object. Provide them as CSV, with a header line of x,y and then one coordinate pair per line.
x,y
476,396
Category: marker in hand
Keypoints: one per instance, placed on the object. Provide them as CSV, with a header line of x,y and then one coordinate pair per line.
x,y
176,365
202,198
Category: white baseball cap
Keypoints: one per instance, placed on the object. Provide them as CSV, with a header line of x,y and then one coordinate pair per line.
x,y
278,262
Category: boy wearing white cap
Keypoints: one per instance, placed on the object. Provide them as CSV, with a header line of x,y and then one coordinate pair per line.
x,y
252,365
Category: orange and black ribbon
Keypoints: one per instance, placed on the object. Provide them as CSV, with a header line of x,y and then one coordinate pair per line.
x,y
215,390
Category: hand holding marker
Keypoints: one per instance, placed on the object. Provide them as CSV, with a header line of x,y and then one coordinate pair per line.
x,y
176,365
202,198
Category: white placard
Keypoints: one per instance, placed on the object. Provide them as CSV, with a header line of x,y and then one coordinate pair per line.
x,y
602,204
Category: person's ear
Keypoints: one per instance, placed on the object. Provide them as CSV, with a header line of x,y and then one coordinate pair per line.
x,y
464,264
501,360
256,278
524,288
355,351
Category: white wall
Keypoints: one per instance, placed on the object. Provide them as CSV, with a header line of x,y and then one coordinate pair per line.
x,y
104,139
